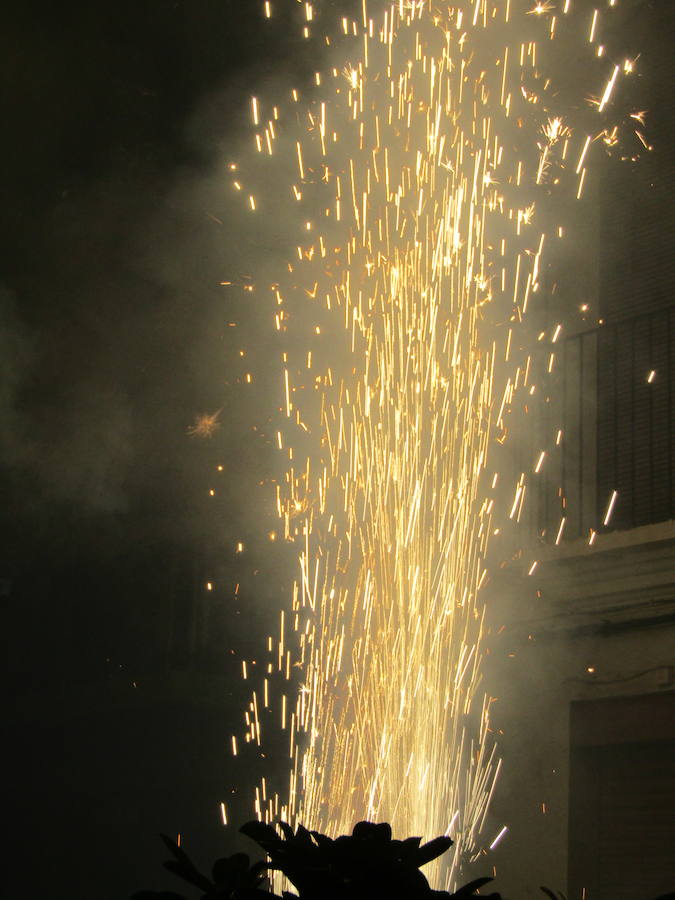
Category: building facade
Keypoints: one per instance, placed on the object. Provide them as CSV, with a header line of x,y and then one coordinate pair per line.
x,y
581,660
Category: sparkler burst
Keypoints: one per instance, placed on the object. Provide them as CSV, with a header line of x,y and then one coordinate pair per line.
x,y
205,425
421,164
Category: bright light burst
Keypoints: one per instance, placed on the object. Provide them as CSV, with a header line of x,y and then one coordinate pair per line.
x,y
205,425
421,163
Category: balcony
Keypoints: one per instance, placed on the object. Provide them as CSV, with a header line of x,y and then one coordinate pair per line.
x,y
616,402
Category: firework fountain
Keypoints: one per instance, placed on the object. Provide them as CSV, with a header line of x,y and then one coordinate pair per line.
x,y
427,165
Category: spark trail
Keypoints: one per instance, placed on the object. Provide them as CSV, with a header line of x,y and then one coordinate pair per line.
x,y
420,166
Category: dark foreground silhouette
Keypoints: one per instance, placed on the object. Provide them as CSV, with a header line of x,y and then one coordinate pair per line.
x,y
366,865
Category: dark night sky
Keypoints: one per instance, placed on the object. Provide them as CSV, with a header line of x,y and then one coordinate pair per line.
x,y
116,231
118,226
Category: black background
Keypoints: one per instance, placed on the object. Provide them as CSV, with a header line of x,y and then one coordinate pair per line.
x,y
124,678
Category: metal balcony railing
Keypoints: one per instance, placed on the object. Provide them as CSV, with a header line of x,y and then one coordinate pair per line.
x,y
615,399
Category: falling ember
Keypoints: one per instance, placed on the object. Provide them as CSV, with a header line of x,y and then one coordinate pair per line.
x,y
499,837
406,294
610,507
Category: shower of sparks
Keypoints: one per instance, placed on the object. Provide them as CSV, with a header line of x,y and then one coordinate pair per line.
x,y
205,425
420,167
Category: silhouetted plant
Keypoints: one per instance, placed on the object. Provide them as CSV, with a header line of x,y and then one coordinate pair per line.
x,y
552,894
366,865
232,877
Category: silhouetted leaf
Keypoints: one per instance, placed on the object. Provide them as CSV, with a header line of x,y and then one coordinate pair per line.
x,y
192,876
289,834
230,869
261,833
369,831
184,867
407,849
322,840
469,889
412,842
304,836
432,849
259,869
550,893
